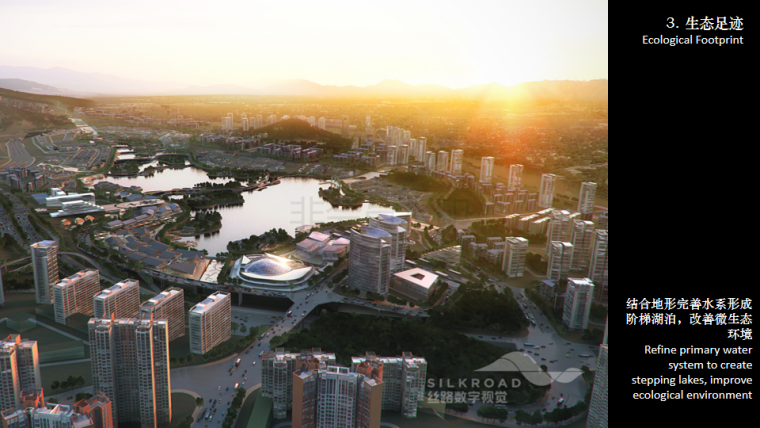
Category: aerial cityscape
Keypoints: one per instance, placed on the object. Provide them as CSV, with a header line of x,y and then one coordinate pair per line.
x,y
406,227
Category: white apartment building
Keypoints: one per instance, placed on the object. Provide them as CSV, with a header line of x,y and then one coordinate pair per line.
x,y
486,169
515,177
456,162
403,380
598,264
559,260
558,228
19,370
581,237
45,265
546,191
210,322
74,295
443,161
130,365
121,300
369,259
597,409
397,228
430,161
514,257
421,148
580,293
168,305
586,198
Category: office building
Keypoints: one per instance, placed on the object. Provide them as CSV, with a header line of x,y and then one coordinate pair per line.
x,y
546,191
369,259
259,122
580,292
558,228
597,409
45,265
130,366
335,397
559,258
430,161
403,380
210,322
168,305
456,162
581,237
443,161
515,177
597,270
73,295
602,223
586,200
415,284
486,169
397,228
19,370
514,257
277,374
98,408
321,123
244,124
121,300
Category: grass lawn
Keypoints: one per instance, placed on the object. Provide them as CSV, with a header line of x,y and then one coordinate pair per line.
x,y
63,371
182,406
245,410
32,149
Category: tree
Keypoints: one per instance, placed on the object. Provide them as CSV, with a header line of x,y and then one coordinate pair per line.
x,y
80,381
173,361
80,396
242,328
234,326
199,401
55,385
190,358
52,400
64,385
189,418
181,360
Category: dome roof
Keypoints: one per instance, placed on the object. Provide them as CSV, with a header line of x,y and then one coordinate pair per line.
x,y
267,267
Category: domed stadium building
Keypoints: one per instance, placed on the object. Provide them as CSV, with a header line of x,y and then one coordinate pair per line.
x,y
270,270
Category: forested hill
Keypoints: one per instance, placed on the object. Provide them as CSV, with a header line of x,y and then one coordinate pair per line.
x,y
293,129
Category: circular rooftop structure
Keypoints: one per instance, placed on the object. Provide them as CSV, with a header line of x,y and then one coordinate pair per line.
x,y
268,269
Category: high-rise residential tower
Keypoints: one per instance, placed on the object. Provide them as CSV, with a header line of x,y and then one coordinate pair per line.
x,y
335,397
168,305
344,126
443,161
580,292
277,374
597,270
45,265
515,177
486,169
369,259
19,370
559,260
210,322
430,161
581,237
558,228
421,148
397,228
121,300
403,380
130,365
597,409
546,192
586,200
74,295
514,257
456,162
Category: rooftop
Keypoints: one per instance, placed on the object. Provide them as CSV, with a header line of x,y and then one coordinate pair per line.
x,y
418,276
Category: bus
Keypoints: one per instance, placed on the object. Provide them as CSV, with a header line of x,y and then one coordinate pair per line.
x,y
455,272
561,400
527,345
584,355
439,273
237,384
237,362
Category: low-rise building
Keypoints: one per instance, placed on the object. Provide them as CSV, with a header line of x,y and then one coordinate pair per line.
x,y
416,284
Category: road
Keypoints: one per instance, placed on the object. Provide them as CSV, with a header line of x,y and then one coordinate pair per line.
x,y
18,154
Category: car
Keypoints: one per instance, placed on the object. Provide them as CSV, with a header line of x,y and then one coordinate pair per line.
x,y
480,337
70,397
543,359
543,346
210,400
551,343
228,403
228,388
567,356
536,354
218,387
572,349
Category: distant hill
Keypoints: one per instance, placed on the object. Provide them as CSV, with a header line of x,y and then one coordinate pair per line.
x,y
48,99
67,81
292,129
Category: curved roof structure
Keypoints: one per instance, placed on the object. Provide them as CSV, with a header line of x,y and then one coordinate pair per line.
x,y
273,270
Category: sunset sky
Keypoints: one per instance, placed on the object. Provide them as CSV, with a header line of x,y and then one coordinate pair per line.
x,y
455,44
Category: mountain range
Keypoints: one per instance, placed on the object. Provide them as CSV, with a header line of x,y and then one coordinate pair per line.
x,y
63,81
